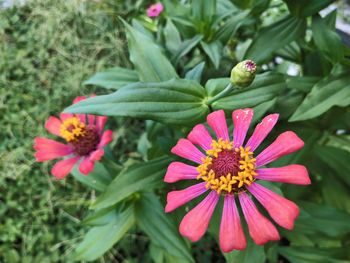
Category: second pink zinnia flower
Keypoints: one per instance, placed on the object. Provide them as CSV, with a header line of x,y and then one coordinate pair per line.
x,y
85,137
230,169
155,10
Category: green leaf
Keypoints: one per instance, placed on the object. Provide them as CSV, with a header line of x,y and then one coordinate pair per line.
x,y
264,88
316,218
160,255
229,28
185,26
176,101
312,254
213,51
113,78
175,8
203,10
215,86
100,239
329,92
185,47
101,217
242,4
341,141
221,15
337,159
148,59
261,109
196,73
334,192
156,253
258,7
303,84
327,40
110,164
139,25
290,52
225,7
331,19
273,37
288,102
302,8
158,226
252,253
137,177
172,36
98,179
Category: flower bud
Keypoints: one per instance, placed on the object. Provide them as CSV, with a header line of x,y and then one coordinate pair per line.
x,y
243,74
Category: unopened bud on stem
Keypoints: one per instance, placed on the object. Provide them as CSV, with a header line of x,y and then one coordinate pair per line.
x,y
243,74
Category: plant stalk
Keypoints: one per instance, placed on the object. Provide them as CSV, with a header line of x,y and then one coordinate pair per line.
x,y
222,94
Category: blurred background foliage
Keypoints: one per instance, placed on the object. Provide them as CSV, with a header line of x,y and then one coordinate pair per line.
x,y
49,48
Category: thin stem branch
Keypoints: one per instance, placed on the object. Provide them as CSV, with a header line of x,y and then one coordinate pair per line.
x,y
222,94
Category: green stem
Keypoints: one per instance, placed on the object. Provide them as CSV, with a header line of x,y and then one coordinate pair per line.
x,y
222,94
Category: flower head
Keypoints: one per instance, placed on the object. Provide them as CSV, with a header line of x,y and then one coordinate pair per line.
x,y
243,74
229,169
155,10
85,139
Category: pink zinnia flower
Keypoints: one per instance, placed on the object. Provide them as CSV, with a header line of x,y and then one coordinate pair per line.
x,y
85,139
230,169
155,10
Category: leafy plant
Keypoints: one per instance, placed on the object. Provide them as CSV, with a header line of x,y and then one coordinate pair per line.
x,y
179,55
180,72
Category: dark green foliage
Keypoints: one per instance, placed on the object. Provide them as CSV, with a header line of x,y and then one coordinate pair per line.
x,y
312,97
47,49
177,63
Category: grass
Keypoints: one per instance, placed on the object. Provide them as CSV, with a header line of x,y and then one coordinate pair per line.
x,y
48,48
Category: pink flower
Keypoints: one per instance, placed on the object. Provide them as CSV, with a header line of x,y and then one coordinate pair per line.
x,y
85,139
227,168
155,10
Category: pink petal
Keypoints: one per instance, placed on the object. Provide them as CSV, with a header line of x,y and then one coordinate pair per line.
x,y
100,123
78,99
176,199
106,138
96,155
180,171
42,143
241,121
260,228
62,168
185,149
195,222
285,143
291,174
47,149
81,117
200,135
158,6
231,232
154,10
53,125
64,116
261,131
46,156
217,121
91,119
283,211
86,166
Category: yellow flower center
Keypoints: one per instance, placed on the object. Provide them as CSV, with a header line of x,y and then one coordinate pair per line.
x,y
72,128
227,169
